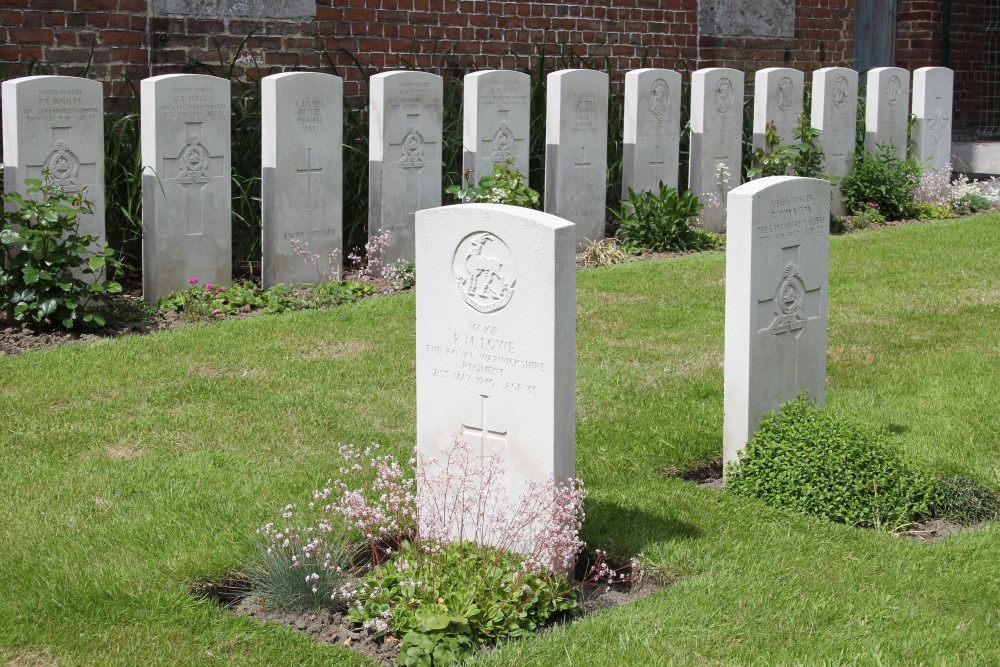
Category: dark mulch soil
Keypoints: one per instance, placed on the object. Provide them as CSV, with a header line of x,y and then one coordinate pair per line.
x,y
704,473
933,530
332,627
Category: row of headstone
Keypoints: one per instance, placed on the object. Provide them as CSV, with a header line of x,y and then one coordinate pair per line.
x,y
57,123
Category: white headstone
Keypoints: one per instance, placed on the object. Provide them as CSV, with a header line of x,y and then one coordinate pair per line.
x,y
186,183
56,123
777,99
404,143
652,129
777,268
301,176
716,138
496,338
496,121
834,114
887,109
576,149
933,89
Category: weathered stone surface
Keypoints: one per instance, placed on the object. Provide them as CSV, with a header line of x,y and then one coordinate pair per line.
x,y
933,90
496,121
404,144
255,9
777,278
302,179
496,338
777,99
716,139
834,113
186,183
887,112
652,129
576,149
56,123
739,18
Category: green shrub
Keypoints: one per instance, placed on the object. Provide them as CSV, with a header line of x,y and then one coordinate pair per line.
x,y
804,158
930,211
53,274
464,590
838,224
883,179
808,460
505,185
969,203
663,221
965,500
866,216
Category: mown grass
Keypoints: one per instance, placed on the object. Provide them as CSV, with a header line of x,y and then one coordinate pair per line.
x,y
133,467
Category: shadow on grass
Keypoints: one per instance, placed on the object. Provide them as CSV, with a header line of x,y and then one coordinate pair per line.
x,y
626,531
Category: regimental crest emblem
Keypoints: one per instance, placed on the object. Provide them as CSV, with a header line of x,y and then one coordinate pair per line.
x,y
658,94
893,90
785,89
724,95
193,162
412,148
503,143
63,166
841,89
789,299
484,271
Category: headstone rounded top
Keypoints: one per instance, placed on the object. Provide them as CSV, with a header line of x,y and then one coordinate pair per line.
x,y
578,73
405,74
55,79
483,214
758,185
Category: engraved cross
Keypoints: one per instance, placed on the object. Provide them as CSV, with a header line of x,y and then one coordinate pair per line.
x,y
65,167
308,172
482,431
582,162
657,157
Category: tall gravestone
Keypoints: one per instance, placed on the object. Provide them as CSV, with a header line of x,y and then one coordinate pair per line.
x,y
933,89
716,138
652,129
404,144
56,123
778,94
496,338
186,183
576,149
834,114
777,276
887,109
496,121
302,175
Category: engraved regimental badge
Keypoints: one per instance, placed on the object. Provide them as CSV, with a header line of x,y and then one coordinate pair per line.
x,y
412,149
841,90
63,165
484,272
658,93
503,143
724,96
893,90
785,89
194,162
789,299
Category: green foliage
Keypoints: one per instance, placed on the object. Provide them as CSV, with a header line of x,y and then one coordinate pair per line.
x,y
804,158
808,460
965,500
969,203
466,594
881,178
209,301
930,211
838,224
808,157
773,160
866,216
53,274
663,221
602,252
506,185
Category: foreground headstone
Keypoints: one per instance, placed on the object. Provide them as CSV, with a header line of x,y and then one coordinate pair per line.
x,y
301,178
496,121
57,123
933,89
777,268
652,129
186,183
716,139
834,114
777,99
887,109
576,149
496,312
404,168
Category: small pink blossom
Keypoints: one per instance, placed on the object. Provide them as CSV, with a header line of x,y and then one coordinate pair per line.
x,y
193,281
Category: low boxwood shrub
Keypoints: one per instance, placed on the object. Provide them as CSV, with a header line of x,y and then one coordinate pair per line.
x,y
812,461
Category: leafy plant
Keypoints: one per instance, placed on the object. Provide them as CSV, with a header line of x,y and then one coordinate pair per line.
x,y
969,203
838,224
506,185
881,178
774,159
804,158
53,273
438,640
930,211
809,460
965,500
663,221
602,252
866,216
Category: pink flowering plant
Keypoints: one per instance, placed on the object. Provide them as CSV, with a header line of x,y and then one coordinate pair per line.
x,y
455,564
373,265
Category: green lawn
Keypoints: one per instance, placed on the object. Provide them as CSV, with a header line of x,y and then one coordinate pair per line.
x,y
129,468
